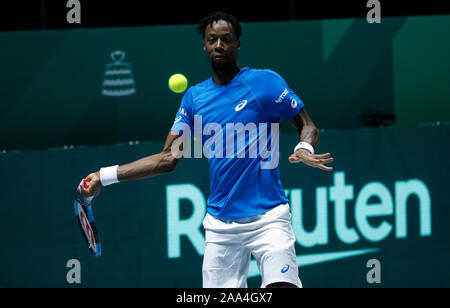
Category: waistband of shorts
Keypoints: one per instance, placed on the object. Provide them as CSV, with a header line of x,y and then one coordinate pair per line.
x,y
249,219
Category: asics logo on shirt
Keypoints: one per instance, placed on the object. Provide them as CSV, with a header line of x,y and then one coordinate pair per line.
x,y
293,103
177,119
241,105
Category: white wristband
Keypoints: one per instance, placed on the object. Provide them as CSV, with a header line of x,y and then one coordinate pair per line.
x,y
108,175
304,145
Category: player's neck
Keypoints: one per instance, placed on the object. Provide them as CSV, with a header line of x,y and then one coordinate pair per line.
x,y
223,76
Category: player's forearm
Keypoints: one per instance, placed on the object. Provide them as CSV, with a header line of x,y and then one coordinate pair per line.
x,y
310,134
147,167
306,128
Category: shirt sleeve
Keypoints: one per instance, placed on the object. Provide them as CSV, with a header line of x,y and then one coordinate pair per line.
x,y
276,98
184,119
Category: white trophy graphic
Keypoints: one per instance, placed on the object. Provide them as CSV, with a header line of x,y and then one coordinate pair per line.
x,y
118,79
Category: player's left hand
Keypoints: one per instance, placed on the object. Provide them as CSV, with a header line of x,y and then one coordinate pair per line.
x,y
313,160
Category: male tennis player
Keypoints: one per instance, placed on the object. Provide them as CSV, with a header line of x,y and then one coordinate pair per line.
x,y
247,211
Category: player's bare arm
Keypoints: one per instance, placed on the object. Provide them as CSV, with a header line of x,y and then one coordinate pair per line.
x,y
309,134
163,162
149,166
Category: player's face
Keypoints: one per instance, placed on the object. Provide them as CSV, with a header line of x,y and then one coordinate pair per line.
x,y
221,44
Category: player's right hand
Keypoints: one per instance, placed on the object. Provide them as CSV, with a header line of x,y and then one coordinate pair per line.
x,y
93,188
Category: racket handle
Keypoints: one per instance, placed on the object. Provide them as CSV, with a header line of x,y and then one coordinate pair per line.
x,y
86,185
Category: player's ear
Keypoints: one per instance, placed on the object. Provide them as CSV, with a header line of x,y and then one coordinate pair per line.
x,y
239,45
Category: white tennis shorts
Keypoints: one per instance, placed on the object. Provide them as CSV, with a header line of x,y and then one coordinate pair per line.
x,y
229,245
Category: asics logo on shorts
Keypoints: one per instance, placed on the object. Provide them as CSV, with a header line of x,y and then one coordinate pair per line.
x,y
285,268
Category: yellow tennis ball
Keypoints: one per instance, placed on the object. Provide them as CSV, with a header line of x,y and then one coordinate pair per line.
x,y
178,83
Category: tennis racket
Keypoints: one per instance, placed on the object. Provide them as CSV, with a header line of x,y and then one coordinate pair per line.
x,y
85,218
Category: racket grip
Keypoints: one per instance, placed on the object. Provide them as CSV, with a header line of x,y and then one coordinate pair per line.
x,y
86,185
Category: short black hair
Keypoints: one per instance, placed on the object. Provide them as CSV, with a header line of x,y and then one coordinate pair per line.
x,y
216,16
